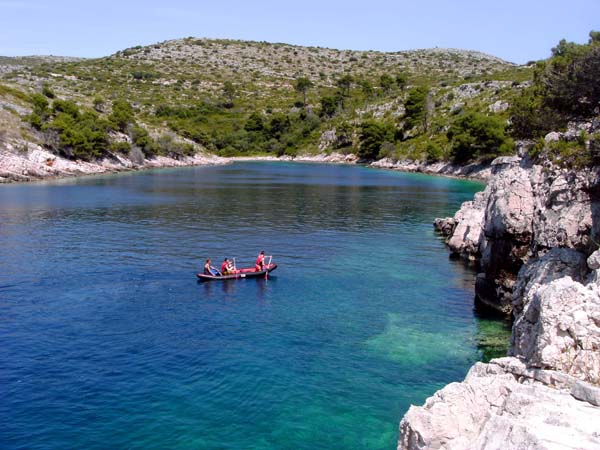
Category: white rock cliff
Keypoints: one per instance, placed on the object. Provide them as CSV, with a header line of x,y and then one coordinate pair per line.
x,y
534,231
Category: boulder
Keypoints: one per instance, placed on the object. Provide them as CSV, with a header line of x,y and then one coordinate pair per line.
x,y
593,261
467,228
553,136
444,226
556,264
507,231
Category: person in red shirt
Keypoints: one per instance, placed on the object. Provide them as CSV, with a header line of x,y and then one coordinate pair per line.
x,y
226,267
260,261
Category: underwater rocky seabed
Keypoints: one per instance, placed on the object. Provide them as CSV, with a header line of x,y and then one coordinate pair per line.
x,y
108,339
534,231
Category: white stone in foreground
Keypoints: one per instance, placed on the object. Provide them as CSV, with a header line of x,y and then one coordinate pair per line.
x,y
502,406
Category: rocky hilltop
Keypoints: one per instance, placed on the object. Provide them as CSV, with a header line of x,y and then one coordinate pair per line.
x,y
535,232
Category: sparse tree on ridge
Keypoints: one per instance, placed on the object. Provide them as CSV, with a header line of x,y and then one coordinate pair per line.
x,y
302,86
229,92
345,83
366,87
401,80
386,82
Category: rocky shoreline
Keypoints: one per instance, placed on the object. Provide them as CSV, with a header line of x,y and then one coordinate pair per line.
x,y
476,171
534,232
34,163
31,162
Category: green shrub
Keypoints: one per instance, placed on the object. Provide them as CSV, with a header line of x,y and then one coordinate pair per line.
x,y
122,114
372,136
81,135
434,152
329,106
573,154
120,147
255,122
143,75
474,135
530,118
415,106
66,106
565,87
46,91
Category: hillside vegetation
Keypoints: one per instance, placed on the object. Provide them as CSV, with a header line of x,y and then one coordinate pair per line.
x,y
248,98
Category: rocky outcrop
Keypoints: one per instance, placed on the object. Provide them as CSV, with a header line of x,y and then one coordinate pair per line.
x,y
528,210
545,396
506,405
474,171
29,162
534,232
557,306
333,157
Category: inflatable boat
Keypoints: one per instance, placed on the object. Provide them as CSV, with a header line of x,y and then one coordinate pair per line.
x,y
240,273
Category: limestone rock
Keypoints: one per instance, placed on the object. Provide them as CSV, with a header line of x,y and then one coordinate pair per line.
x,y
467,234
22,161
478,171
559,328
528,211
328,137
444,226
553,136
497,407
556,264
593,261
564,208
498,106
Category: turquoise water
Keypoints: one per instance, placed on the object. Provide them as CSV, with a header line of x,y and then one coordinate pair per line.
x,y
108,341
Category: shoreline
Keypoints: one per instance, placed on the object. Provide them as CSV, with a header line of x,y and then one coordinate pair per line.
x,y
37,164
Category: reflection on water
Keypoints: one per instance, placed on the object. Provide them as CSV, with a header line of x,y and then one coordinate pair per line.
x,y
108,340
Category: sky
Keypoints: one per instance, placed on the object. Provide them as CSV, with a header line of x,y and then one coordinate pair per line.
x,y
515,30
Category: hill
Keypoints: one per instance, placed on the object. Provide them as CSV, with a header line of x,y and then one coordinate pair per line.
x,y
244,98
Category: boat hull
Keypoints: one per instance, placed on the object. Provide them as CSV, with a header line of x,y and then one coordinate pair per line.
x,y
242,273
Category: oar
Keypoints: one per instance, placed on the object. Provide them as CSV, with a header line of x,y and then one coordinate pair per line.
x,y
267,269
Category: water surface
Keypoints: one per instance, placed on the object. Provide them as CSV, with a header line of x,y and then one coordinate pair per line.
x,y
108,341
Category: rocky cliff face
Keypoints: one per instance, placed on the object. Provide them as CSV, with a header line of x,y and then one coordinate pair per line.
x,y
525,211
547,395
534,231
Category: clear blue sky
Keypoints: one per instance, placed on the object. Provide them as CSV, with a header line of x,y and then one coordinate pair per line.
x,y
517,31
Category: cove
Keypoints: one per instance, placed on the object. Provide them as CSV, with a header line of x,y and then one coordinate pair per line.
x,y
108,341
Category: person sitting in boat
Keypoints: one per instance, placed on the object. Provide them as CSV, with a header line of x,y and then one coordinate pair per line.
x,y
260,261
227,267
209,269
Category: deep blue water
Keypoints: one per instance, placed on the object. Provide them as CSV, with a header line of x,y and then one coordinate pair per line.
x,y
108,341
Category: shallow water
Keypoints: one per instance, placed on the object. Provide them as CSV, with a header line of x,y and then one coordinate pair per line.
x,y
108,341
